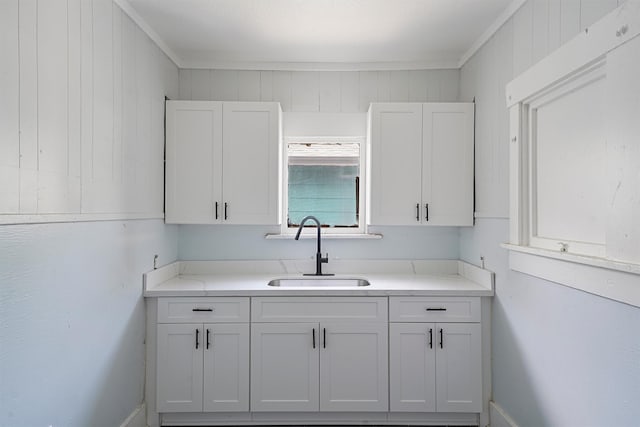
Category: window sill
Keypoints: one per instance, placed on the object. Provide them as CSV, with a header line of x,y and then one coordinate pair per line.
x,y
607,278
346,236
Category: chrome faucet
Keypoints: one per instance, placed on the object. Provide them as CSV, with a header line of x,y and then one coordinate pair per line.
x,y
319,258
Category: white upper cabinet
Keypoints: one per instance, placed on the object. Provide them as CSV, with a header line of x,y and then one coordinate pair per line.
x,y
223,162
421,164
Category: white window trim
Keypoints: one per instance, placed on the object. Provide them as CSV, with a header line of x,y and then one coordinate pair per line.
x,y
597,275
361,230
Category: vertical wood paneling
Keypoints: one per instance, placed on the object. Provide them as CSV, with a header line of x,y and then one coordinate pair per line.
x,y
569,19
266,86
28,106
86,81
129,111
522,38
399,86
592,10
434,86
225,85
450,85
305,91
102,161
248,85
555,30
117,102
185,84
418,85
52,107
367,89
9,108
329,92
156,199
74,106
384,86
201,87
144,185
349,93
282,89
540,23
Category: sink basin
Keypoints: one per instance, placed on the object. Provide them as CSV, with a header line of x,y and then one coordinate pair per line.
x,y
316,282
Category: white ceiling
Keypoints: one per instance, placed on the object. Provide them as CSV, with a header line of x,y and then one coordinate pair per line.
x,y
320,34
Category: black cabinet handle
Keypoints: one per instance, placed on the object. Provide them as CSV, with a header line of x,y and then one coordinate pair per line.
x,y
216,210
430,337
314,338
417,211
426,210
441,339
324,337
208,342
226,209
436,309
197,334
202,309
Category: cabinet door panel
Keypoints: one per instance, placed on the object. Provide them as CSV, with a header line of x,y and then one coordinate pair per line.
x,y
459,368
284,367
447,175
226,367
251,162
179,382
412,367
194,161
353,367
395,155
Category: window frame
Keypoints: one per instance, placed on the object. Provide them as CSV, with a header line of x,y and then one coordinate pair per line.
x,y
362,226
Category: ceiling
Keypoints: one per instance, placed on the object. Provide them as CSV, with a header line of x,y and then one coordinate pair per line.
x,y
320,34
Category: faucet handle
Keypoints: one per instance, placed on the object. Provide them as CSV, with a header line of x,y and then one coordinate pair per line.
x,y
324,259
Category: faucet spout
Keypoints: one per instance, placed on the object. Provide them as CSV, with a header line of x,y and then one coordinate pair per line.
x,y
319,258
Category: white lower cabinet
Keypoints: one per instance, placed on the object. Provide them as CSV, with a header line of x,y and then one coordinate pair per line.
x,y
334,366
203,367
435,367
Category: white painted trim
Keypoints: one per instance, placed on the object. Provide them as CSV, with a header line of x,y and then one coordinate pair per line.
x,y
312,235
498,417
596,277
587,47
491,30
131,12
137,418
427,64
75,217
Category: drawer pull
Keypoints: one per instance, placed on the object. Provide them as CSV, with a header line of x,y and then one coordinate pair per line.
x,y
441,339
430,338
197,334
436,309
324,337
208,341
314,338
202,309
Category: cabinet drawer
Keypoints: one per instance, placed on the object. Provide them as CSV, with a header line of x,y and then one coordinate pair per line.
x,y
318,309
203,310
434,309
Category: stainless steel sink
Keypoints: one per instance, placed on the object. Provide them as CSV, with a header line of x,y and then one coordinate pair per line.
x,y
316,282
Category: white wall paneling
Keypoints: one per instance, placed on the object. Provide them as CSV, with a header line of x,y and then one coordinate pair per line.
x,y
320,91
82,113
525,373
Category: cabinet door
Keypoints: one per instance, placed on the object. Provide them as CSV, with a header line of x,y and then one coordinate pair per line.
x,y
179,380
226,367
354,367
194,161
459,367
447,159
251,165
395,156
412,367
284,367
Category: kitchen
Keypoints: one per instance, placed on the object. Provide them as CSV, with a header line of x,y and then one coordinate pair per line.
x,y
83,213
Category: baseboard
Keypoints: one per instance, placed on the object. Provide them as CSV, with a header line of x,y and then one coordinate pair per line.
x,y
138,418
498,417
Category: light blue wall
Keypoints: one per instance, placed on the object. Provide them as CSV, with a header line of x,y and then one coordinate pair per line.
x,y
561,357
72,320
200,242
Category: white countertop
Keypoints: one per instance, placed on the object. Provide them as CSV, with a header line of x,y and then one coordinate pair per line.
x,y
386,277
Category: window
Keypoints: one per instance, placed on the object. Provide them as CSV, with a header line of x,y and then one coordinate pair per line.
x,y
323,178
